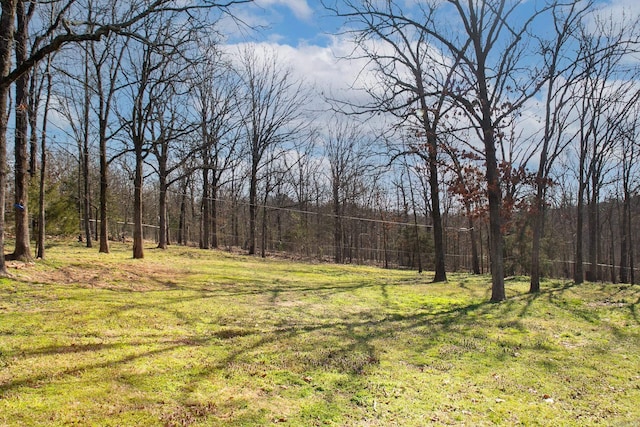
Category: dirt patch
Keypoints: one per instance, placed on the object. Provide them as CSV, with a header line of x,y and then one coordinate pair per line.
x,y
137,278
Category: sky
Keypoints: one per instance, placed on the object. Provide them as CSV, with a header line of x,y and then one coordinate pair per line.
x,y
303,32
301,22
305,36
290,22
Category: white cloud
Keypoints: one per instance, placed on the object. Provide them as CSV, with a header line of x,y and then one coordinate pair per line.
x,y
622,7
300,8
317,65
622,12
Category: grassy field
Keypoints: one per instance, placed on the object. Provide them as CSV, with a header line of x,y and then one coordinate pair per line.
x,y
205,338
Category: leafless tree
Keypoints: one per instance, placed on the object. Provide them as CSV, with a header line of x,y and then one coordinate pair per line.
x,y
487,42
305,178
68,26
215,90
75,109
7,26
348,151
45,84
170,132
22,176
627,156
276,103
412,82
152,69
606,92
105,59
563,71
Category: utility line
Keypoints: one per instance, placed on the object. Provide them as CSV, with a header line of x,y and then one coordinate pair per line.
x,y
326,215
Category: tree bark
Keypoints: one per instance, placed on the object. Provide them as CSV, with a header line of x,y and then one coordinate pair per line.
x,y
104,188
337,224
6,42
138,249
494,194
593,233
22,249
436,216
206,215
625,236
578,275
84,159
182,237
253,208
162,210
214,214
475,261
40,247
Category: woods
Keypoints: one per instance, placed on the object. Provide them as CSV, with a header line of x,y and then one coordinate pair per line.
x,y
499,139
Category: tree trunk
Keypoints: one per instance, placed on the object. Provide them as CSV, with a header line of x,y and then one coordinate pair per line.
x,y
138,249
6,40
104,188
33,123
418,249
475,261
206,220
438,234
624,251
592,217
40,249
85,173
162,211
214,215
578,276
538,231
22,249
182,238
337,226
494,194
84,158
263,248
253,209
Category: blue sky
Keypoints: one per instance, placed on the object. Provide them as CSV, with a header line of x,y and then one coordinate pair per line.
x,y
296,22
290,22
303,23
300,31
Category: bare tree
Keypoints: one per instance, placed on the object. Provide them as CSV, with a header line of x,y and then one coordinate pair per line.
x,y
63,29
563,72
22,176
465,182
76,109
105,59
149,84
348,151
7,26
607,91
628,159
215,92
304,178
487,43
275,101
412,82
170,133
40,241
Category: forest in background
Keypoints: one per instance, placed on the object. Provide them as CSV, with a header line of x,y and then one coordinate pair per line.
x,y
488,136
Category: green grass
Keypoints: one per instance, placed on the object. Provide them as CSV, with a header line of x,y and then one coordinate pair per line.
x,y
190,337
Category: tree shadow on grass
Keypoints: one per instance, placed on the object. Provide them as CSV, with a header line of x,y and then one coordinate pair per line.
x,y
345,342
38,378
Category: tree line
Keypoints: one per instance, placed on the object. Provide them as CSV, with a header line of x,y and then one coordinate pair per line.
x,y
490,135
